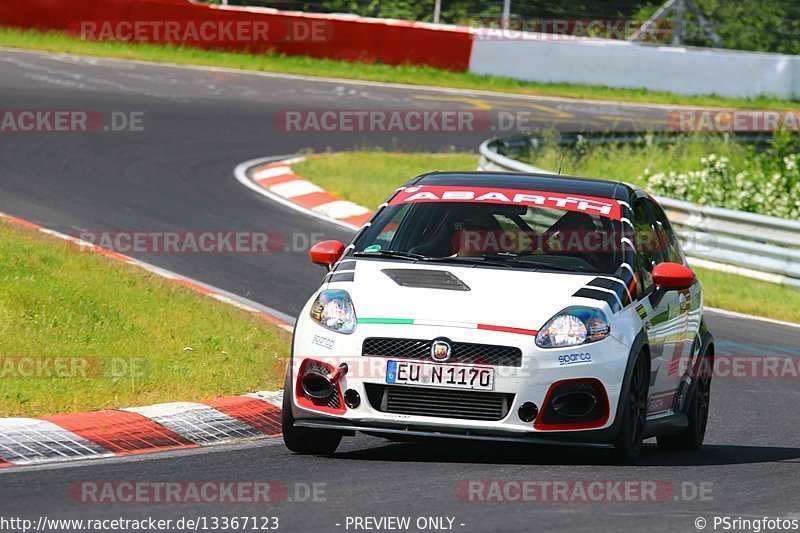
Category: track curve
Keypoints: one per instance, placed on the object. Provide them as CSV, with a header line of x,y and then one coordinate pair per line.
x,y
176,175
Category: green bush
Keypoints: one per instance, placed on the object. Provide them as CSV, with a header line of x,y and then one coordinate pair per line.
x,y
767,183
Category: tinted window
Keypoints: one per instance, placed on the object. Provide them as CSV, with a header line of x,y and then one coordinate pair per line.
x,y
669,240
648,246
585,242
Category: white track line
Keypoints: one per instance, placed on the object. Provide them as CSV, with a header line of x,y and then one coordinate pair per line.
x,y
744,316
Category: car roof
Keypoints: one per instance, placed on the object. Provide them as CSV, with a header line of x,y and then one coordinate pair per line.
x,y
616,190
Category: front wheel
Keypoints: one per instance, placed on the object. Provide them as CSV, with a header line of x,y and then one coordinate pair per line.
x,y
628,444
307,441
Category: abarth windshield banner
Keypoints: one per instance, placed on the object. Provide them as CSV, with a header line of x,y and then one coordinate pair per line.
x,y
490,195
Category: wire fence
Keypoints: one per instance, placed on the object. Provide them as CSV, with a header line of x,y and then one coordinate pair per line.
x,y
758,25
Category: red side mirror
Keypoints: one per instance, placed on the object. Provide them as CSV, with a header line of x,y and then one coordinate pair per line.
x,y
326,253
672,276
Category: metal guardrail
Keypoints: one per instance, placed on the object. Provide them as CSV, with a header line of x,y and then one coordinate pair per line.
x,y
754,245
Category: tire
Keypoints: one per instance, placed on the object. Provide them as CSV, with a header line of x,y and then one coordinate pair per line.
x,y
628,444
697,412
306,441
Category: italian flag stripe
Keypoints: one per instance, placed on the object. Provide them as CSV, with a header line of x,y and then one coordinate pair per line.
x,y
443,323
520,331
385,321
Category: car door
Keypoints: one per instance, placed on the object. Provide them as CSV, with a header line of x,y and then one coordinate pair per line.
x,y
663,320
690,301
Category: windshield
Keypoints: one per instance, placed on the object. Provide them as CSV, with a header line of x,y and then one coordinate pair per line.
x,y
508,228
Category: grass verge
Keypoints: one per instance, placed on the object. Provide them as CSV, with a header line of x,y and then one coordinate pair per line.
x,y
409,74
368,178
126,337
750,296
629,162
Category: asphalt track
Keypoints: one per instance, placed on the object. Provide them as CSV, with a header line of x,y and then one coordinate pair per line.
x,y
176,175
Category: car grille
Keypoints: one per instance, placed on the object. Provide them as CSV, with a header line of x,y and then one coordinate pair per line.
x,y
463,352
443,403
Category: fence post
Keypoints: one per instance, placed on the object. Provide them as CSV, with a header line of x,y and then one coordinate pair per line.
x,y
506,21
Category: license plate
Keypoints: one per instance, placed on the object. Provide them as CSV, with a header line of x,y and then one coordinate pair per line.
x,y
451,376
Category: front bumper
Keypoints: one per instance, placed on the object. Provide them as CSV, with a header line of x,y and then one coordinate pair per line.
x,y
397,431
530,382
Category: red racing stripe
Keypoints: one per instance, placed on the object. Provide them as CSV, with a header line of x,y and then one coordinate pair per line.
x,y
121,432
254,412
520,331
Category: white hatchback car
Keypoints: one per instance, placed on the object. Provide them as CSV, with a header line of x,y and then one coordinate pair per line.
x,y
504,307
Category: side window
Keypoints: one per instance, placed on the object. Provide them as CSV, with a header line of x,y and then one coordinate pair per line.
x,y
647,245
672,247
384,229
388,234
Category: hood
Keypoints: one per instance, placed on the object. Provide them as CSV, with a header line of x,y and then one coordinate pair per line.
x,y
523,299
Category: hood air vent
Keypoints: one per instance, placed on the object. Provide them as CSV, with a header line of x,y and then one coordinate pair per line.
x,y
426,279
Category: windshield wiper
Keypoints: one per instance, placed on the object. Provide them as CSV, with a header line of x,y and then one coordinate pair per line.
x,y
470,260
506,260
512,258
391,253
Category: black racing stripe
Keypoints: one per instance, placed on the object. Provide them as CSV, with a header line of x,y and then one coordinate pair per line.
x,y
626,276
345,265
594,294
343,276
614,285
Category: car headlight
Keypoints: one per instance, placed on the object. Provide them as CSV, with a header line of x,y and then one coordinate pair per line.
x,y
573,326
334,310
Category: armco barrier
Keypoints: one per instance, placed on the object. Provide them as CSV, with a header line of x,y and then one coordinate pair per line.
x,y
747,243
345,37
